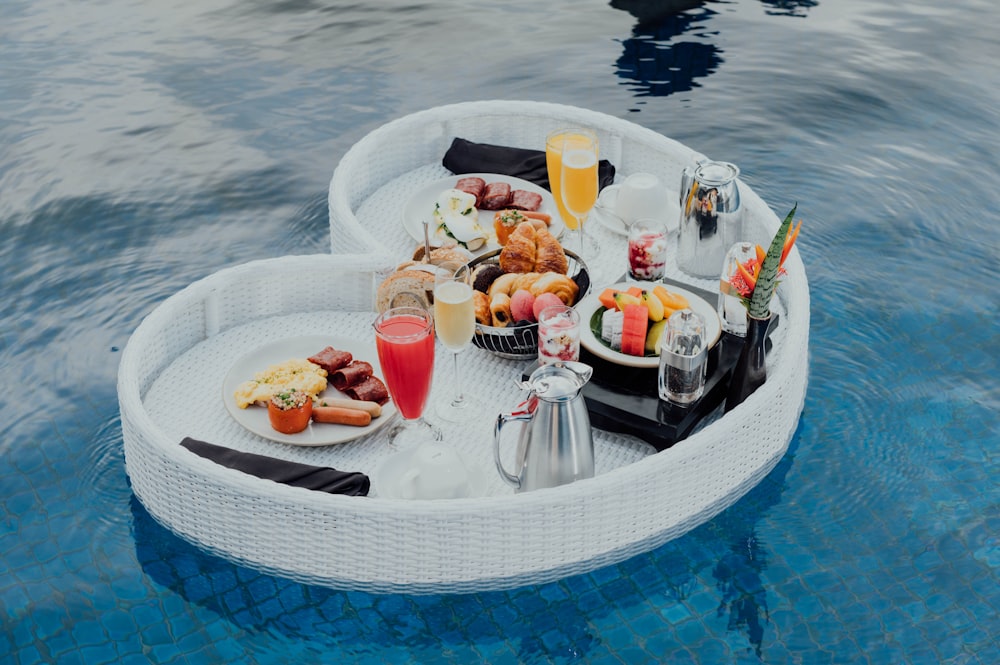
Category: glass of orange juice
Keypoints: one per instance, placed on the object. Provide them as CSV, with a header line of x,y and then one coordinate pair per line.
x,y
571,161
553,164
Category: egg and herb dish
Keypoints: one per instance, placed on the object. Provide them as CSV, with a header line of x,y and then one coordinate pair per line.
x,y
295,374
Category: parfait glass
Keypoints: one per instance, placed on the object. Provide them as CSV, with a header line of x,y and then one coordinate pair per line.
x,y
404,337
571,160
455,322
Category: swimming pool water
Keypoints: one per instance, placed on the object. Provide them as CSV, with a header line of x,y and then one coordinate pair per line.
x,y
146,146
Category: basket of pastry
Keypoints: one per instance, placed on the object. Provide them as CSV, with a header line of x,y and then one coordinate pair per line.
x,y
511,285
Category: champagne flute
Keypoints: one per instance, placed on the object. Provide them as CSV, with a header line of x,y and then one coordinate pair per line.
x,y
404,337
578,184
553,164
455,322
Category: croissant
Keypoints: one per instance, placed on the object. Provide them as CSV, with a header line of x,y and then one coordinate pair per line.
x,y
524,281
518,255
503,284
500,309
481,303
559,284
549,254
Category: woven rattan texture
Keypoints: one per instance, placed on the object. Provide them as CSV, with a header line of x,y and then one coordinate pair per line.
x,y
172,368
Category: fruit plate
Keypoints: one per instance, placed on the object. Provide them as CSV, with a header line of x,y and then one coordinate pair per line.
x,y
591,310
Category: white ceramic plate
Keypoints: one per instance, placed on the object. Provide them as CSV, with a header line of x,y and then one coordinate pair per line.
x,y
255,419
420,206
388,474
604,213
590,304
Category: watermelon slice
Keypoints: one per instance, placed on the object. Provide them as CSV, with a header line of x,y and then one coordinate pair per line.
x,y
634,330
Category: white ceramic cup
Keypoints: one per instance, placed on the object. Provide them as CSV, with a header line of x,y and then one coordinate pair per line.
x,y
640,196
436,471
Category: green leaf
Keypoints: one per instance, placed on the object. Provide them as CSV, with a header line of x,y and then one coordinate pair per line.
x,y
767,281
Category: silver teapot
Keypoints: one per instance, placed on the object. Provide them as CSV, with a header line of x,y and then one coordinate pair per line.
x,y
711,217
556,444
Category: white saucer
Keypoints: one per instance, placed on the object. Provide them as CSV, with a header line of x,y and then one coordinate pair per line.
x,y
604,213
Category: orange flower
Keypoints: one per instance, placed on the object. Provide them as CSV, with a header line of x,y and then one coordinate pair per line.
x,y
744,280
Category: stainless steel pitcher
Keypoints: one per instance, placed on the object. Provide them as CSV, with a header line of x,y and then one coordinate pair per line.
x,y
711,217
556,444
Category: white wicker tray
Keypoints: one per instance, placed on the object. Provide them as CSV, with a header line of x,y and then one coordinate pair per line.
x,y
170,387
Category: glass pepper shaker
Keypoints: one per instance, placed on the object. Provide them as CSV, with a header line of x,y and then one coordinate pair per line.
x,y
683,358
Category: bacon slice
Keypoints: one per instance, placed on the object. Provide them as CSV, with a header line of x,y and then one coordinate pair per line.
x,y
331,359
370,390
496,196
472,185
522,199
345,377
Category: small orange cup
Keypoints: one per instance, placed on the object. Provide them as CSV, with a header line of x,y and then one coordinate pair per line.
x,y
290,411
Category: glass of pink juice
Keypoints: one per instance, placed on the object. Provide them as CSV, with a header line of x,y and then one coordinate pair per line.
x,y
404,337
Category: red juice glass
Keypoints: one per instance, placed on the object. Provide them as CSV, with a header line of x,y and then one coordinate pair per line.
x,y
404,337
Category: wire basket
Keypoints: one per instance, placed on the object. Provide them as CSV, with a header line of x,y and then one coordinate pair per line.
x,y
520,341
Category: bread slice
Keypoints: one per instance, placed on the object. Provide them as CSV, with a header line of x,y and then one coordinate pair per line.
x,y
446,254
406,288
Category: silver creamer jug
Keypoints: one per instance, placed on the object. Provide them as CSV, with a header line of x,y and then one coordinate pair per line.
x,y
711,217
556,444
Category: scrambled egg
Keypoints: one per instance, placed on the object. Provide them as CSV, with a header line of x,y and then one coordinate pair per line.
x,y
294,374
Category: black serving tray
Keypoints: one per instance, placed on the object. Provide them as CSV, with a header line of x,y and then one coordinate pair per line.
x,y
626,399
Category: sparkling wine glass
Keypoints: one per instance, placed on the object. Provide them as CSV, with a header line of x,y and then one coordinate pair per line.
x,y
578,184
553,164
404,337
455,322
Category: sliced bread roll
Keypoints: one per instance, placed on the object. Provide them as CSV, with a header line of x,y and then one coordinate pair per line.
x,y
406,288
446,254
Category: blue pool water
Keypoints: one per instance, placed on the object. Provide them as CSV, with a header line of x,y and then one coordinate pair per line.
x,y
146,145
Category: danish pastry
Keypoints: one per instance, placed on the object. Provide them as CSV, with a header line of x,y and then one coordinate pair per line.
x,y
560,285
481,304
503,284
500,309
524,281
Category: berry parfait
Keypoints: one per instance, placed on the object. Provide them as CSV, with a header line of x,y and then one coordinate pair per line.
x,y
647,250
558,334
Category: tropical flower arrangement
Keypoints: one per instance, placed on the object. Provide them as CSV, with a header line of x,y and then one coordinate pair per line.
x,y
756,279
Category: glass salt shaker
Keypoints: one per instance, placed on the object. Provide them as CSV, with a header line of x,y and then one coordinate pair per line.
x,y
683,358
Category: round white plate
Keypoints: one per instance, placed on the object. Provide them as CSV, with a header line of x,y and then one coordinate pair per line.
x,y
604,213
255,419
390,471
420,206
590,304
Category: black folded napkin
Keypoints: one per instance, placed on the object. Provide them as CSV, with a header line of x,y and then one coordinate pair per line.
x,y
468,157
320,478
